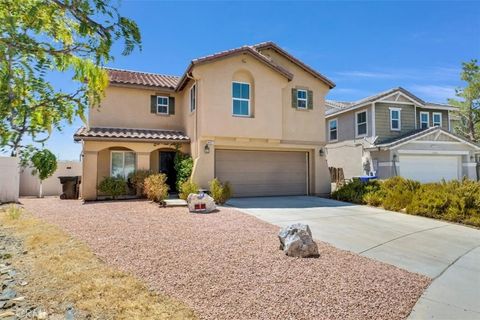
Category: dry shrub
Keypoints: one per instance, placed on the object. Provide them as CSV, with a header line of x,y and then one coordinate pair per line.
x,y
63,270
156,188
186,188
220,192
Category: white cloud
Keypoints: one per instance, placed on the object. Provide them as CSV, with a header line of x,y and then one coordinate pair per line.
x,y
434,93
367,74
427,73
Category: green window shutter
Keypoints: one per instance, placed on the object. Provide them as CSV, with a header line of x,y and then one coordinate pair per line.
x,y
310,99
171,105
294,98
153,104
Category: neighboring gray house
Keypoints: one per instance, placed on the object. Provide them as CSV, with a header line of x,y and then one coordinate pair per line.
x,y
396,133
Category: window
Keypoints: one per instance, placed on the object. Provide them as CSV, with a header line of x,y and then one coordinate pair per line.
x,y
424,120
193,98
122,163
162,105
395,119
241,99
333,130
302,99
361,123
437,119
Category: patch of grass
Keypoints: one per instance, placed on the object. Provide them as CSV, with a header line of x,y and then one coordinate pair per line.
x,y
13,212
63,270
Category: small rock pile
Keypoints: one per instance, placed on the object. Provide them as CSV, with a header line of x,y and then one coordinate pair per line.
x,y
296,241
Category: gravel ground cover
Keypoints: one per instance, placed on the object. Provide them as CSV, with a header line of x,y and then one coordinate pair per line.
x,y
227,265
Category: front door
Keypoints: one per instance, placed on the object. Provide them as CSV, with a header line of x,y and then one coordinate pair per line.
x,y
167,167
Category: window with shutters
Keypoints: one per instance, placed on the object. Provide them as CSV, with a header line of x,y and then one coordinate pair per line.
x,y
361,123
162,105
241,99
302,99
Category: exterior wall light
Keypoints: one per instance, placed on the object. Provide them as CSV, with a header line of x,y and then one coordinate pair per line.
x,y
321,152
206,149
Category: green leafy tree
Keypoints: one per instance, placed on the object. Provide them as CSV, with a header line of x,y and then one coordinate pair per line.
x,y
45,164
183,164
469,102
40,38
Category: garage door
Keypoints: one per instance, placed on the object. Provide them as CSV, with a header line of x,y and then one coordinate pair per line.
x,y
262,173
429,168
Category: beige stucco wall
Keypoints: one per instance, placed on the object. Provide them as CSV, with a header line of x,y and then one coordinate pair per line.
x,y
9,179
126,107
30,184
347,155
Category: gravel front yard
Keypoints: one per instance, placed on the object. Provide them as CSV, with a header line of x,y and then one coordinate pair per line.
x,y
227,265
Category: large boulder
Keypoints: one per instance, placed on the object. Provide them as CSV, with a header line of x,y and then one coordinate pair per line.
x,y
296,241
200,203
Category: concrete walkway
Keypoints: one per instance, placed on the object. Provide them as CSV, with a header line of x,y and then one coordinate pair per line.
x,y
448,253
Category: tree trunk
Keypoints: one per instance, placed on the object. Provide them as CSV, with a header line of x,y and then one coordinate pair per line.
x,y
40,192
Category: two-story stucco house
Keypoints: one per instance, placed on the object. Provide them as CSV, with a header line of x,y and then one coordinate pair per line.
x,y
253,116
396,133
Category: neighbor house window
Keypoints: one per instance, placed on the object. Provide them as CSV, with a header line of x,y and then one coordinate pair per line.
x,y
162,105
333,130
437,119
395,120
122,163
193,98
241,99
424,120
302,99
361,123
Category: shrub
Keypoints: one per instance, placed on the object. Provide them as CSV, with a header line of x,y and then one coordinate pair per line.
x,y
186,188
374,198
113,186
398,192
156,188
137,178
14,212
183,165
220,192
355,191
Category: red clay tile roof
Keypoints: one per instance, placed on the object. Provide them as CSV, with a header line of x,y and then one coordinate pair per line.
x,y
129,134
142,78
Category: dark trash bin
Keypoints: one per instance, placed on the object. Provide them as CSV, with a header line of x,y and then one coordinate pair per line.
x,y
70,187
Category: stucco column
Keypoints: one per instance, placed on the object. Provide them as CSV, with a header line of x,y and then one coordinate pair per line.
x,y
143,160
89,176
204,166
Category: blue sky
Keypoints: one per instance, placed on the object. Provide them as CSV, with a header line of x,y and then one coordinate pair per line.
x,y
364,47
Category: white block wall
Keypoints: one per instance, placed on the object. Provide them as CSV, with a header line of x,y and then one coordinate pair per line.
x,y
9,179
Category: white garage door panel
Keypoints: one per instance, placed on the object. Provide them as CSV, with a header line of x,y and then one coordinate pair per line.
x,y
429,168
262,173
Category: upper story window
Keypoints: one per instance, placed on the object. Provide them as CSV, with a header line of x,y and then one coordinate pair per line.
x,y
193,98
424,120
333,130
122,163
302,99
241,99
437,119
162,105
361,123
395,119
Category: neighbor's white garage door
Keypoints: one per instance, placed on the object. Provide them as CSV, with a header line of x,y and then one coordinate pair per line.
x,y
262,173
429,168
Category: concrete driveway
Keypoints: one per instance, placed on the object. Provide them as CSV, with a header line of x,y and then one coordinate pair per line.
x,y
448,253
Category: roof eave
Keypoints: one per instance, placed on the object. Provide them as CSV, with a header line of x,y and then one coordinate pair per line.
x,y
78,138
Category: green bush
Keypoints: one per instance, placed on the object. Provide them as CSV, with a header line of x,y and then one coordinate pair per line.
x,y
374,198
183,165
355,191
398,192
220,192
137,178
456,201
156,188
186,188
113,186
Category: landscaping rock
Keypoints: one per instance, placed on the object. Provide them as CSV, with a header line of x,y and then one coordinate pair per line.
x,y
296,241
8,294
201,203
